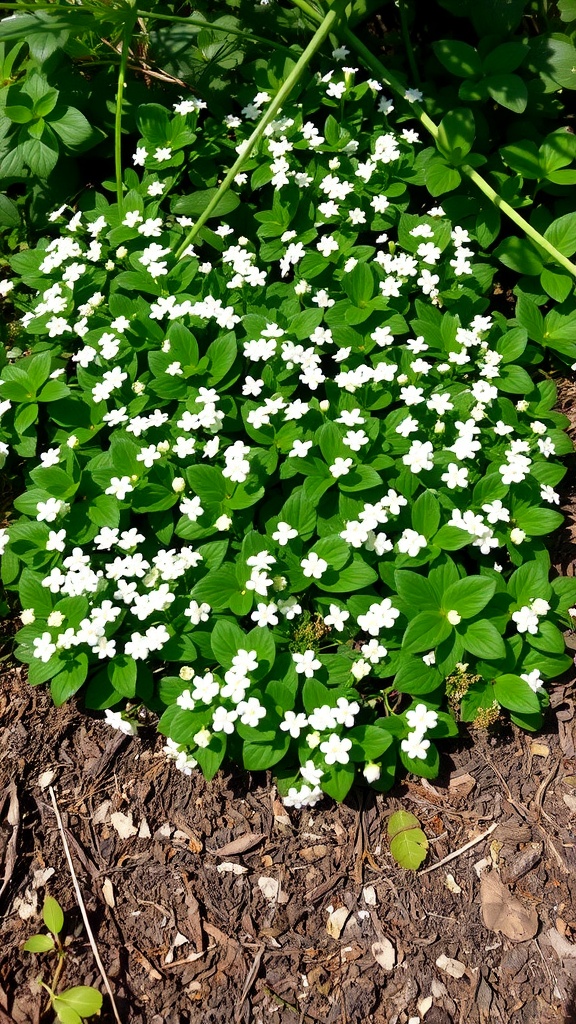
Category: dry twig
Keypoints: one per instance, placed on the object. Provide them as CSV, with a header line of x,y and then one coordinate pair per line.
x,y
463,849
82,907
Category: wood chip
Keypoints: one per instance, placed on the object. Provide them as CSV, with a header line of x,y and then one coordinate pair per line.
x,y
123,824
539,749
384,954
523,862
269,888
336,921
240,845
461,785
502,912
369,894
234,869
570,801
454,968
452,885
108,892
562,947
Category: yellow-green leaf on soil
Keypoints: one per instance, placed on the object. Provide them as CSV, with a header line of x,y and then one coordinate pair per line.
x,y
408,843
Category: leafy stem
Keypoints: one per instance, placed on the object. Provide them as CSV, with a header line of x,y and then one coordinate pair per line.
x,y
377,66
326,26
126,37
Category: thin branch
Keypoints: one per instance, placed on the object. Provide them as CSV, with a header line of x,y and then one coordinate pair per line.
x,y
463,849
82,907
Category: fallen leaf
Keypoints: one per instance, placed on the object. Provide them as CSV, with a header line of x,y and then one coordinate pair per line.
x,y
539,749
452,885
424,1005
560,945
102,812
454,968
570,801
41,876
269,888
144,830
178,941
313,853
108,892
336,921
384,954
461,785
123,824
502,912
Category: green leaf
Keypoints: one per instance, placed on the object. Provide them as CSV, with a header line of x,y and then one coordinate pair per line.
x,y
415,590
483,640
359,284
441,178
222,354
368,742
469,596
122,673
504,58
52,915
456,133
227,639
562,234
66,1015
408,843
416,677
509,91
70,679
528,315
257,757
518,254
524,158
71,126
514,693
40,155
458,58
153,120
39,944
426,514
300,513
337,781
84,1000
195,204
217,588
425,632
537,522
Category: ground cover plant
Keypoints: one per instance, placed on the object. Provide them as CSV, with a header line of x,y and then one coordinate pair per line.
x,y
294,469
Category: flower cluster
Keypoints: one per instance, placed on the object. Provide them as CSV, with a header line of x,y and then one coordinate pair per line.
x,y
286,462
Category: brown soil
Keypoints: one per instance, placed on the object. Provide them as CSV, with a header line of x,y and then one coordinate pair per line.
x,y
250,958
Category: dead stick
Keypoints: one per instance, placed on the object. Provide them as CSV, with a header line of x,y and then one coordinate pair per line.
x,y
463,849
82,907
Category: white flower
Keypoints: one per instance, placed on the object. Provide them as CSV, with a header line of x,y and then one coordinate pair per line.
x,y
341,467
534,680
517,536
550,495
539,606
284,533
411,543
496,512
119,487
360,669
335,749
294,723
48,511
453,617
307,663
300,449
223,720
419,457
526,620
415,747
371,772
43,647
251,712
265,615
455,476
311,773
336,617
114,719
421,719
304,797
313,567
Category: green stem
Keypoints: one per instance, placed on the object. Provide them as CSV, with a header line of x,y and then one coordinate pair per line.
x,y
213,28
126,37
376,65
408,42
284,92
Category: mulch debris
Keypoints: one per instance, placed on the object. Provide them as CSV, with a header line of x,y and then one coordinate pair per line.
x,y
211,903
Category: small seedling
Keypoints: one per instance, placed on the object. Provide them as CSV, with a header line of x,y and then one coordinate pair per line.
x,y
72,1004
